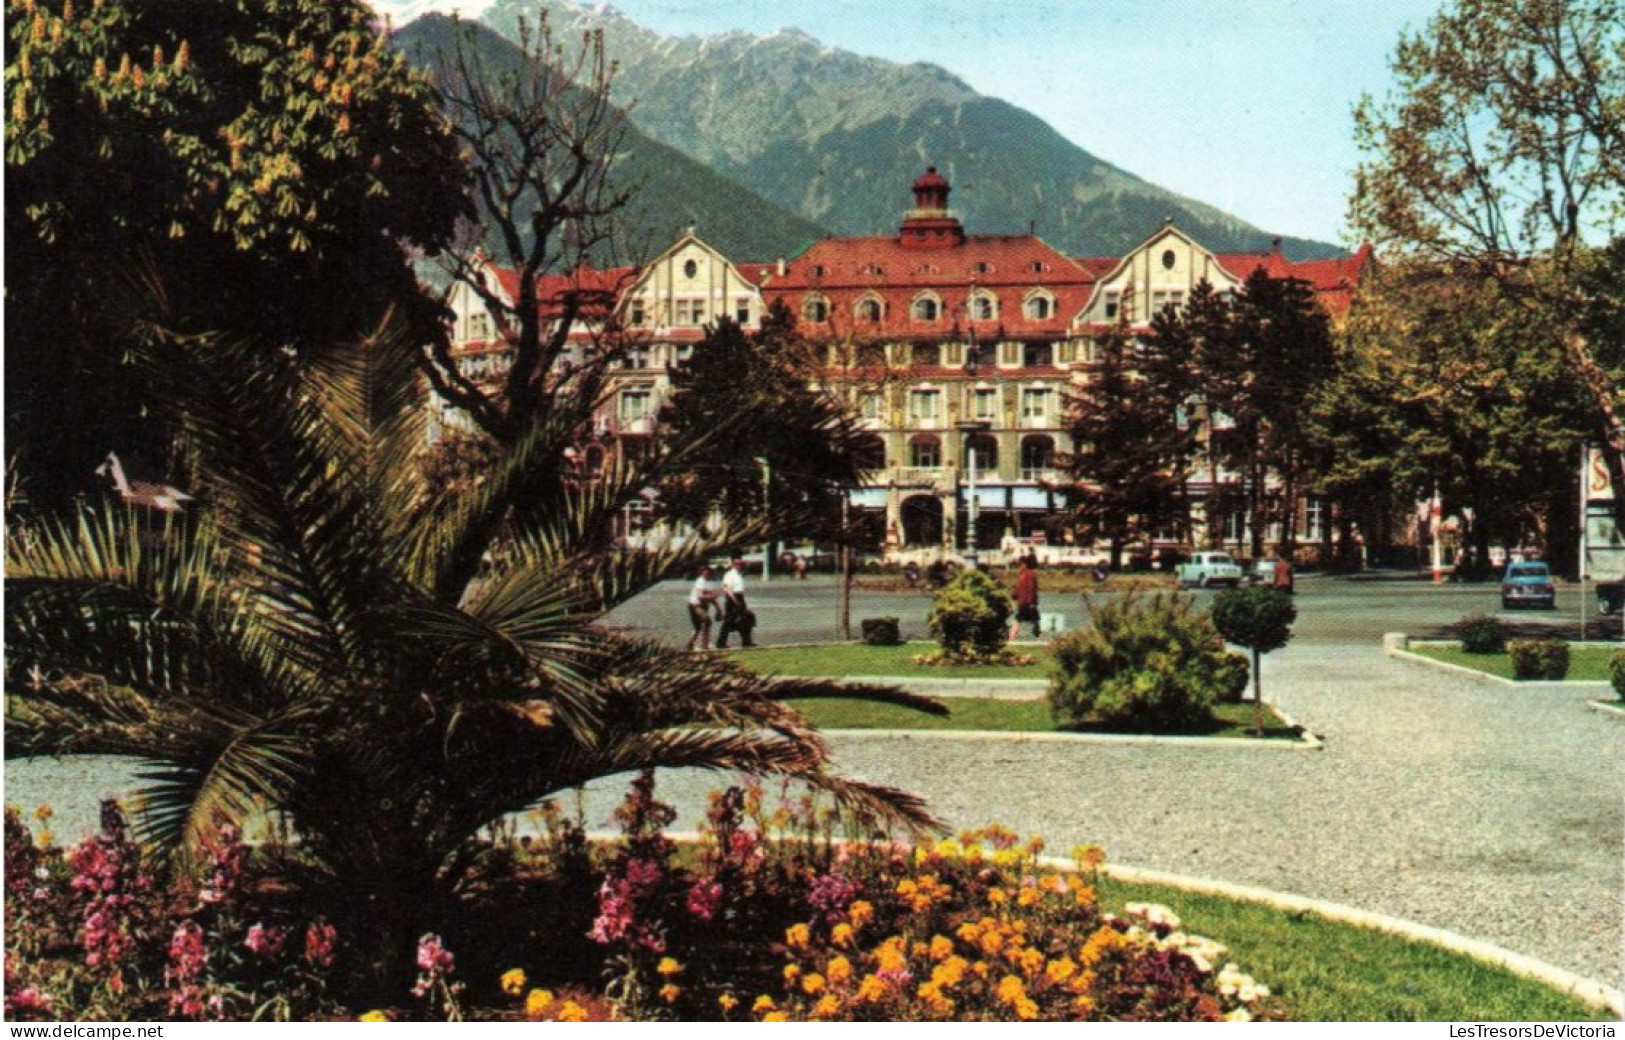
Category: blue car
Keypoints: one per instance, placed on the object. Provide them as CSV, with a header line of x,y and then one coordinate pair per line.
x,y
1528,584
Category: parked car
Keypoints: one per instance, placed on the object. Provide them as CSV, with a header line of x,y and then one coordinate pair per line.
x,y
1207,569
1528,584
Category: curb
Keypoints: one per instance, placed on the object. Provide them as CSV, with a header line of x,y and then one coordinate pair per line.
x,y
1306,742
1607,707
1575,685
1588,990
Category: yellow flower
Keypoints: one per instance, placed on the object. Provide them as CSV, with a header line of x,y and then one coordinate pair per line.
x,y
513,981
727,1002
763,1003
537,1001
870,989
860,913
813,984
792,972
669,966
997,896
826,1007
1061,970
797,935
374,1016
775,1016
1028,896
841,935
1011,989
669,993
572,1012
1031,961
839,970
941,947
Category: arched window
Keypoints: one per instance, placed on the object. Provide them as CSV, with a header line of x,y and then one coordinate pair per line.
x,y
815,308
1040,306
926,308
869,309
986,449
1037,456
925,451
984,307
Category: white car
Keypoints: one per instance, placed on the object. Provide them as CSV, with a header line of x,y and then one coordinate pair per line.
x,y
1206,569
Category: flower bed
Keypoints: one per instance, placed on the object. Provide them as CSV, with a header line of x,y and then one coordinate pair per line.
x,y
768,917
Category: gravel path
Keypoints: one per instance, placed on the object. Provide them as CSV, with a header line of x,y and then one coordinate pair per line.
x,y
1487,810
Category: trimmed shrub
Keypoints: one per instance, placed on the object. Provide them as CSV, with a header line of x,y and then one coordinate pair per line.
x,y
1539,658
1150,662
1616,673
1236,676
970,616
881,631
1481,634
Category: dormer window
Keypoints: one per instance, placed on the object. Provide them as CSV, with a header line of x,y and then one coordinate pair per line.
x,y
926,308
981,267
1039,307
874,269
819,270
1038,267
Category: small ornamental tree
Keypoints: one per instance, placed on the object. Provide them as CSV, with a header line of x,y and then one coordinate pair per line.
x,y
970,616
1260,619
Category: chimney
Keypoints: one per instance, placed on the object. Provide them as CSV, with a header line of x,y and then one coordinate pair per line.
x,y
782,267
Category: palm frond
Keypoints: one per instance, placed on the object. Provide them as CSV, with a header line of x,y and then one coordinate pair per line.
x,y
183,804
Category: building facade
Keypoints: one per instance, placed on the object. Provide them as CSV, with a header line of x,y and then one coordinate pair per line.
x,y
957,352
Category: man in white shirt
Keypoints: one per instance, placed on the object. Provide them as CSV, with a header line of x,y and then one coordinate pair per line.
x,y
736,616
700,600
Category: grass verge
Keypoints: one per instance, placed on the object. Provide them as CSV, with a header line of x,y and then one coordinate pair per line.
x,y
1330,972
1015,716
1586,663
852,659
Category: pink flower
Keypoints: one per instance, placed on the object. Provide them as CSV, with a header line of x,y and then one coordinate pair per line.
x,y
704,898
265,942
320,938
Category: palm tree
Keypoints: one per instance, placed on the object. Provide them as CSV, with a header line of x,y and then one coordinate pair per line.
x,y
389,670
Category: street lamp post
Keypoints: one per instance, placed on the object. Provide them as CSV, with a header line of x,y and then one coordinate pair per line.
x,y
968,428
767,546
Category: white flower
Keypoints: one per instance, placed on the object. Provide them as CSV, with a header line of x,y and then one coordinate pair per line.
x,y
1239,1015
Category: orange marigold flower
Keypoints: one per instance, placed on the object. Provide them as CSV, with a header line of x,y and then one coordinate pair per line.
x,y
860,913
841,934
792,972
537,1001
763,1003
797,936
827,1007
572,1012
1026,1009
1032,961
775,1016
513,981
670,992
839,970
813,984
1011,989
669,966
1028,896
1061,970
941,947
870,989
997,896
374,1016
727,1002
1084,1005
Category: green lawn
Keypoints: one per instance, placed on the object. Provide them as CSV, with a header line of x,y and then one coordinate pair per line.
x,y
1585,663
1328,972
1009,716
850,659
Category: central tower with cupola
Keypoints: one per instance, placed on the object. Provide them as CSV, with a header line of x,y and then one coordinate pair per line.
x,y
930,225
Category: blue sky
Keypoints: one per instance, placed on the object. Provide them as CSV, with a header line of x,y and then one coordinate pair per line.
x,y
1244,104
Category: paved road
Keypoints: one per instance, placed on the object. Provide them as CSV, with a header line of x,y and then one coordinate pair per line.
x,y
1331,611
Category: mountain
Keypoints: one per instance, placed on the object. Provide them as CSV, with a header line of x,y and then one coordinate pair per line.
x,y
675,191
838,137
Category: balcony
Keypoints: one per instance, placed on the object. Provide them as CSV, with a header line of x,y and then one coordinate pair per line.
x,y
1044,476
913,476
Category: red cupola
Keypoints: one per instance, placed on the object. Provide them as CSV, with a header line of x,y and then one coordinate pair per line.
x,y
929,225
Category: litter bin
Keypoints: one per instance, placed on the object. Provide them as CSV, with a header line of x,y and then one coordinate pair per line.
x,y
1052,623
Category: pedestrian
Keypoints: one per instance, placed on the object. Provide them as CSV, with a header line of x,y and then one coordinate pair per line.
x,y
801,567
1282,576
701,599
736,615
1026,597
